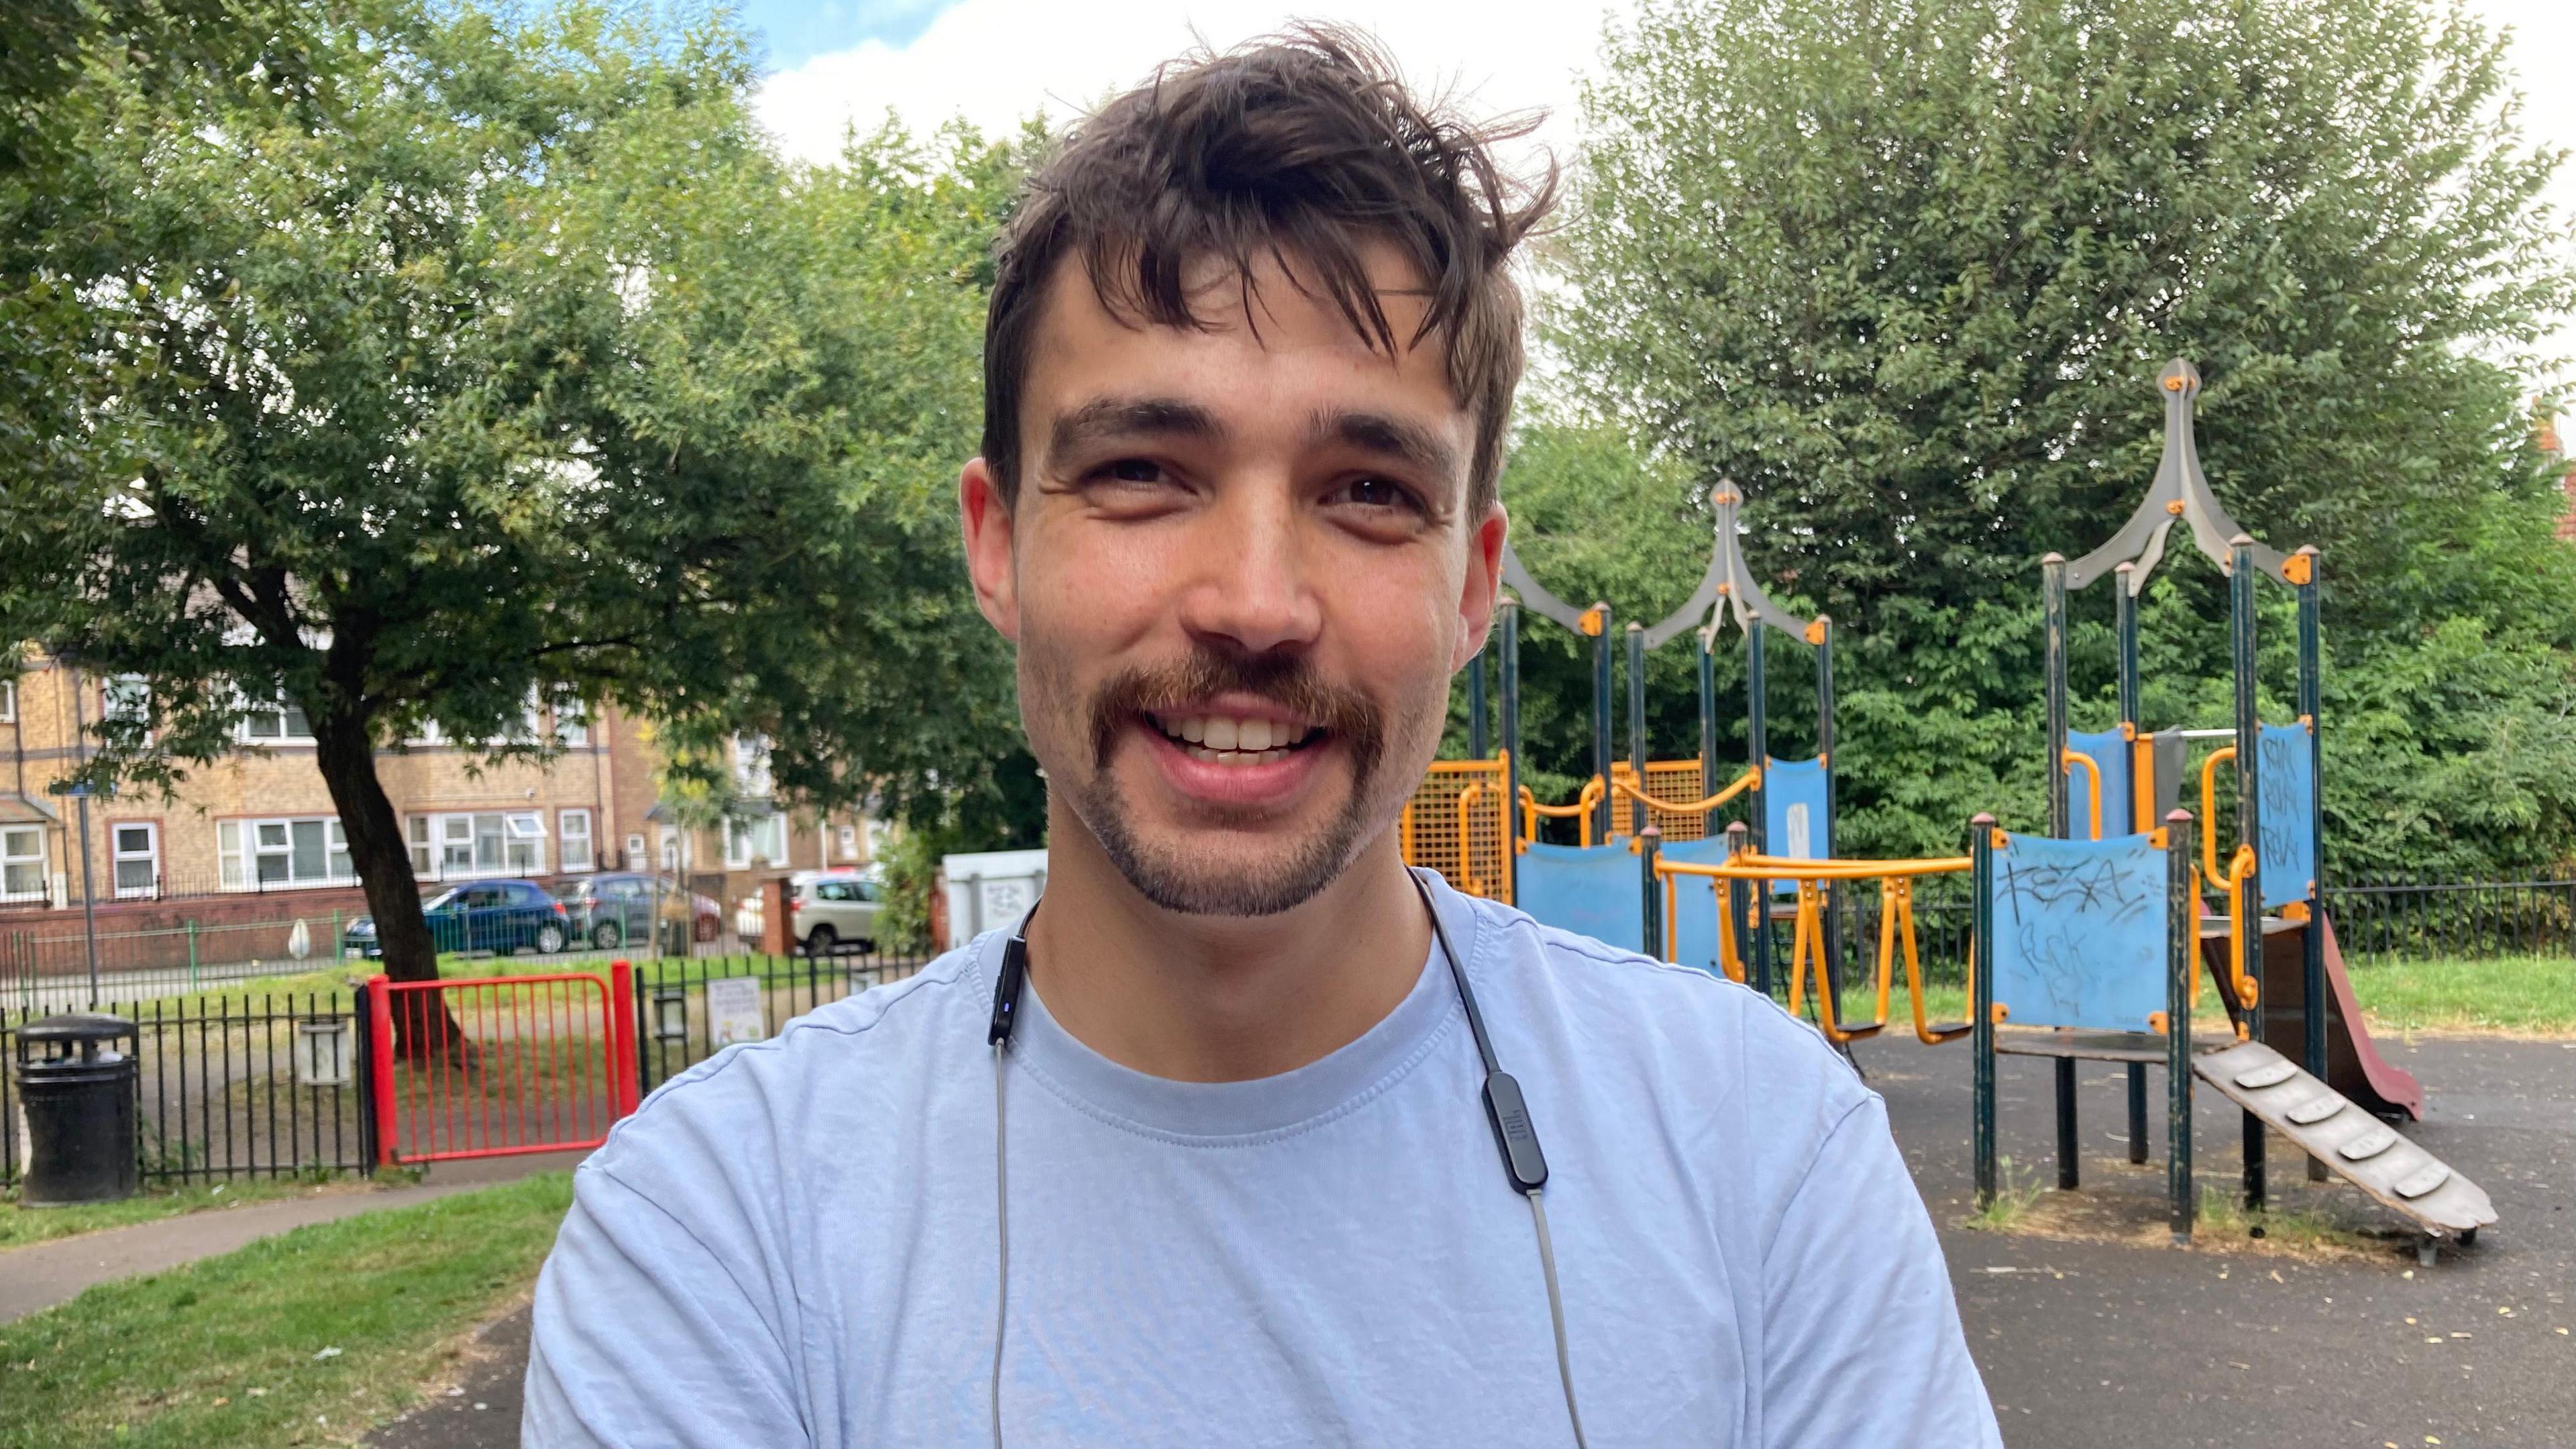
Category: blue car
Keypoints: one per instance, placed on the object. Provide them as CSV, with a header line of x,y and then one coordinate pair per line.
x,y
501,916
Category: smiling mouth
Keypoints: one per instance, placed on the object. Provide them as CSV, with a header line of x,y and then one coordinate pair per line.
x,y
1226,740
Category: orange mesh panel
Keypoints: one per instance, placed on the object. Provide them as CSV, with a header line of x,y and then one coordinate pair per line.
x,y
1472,860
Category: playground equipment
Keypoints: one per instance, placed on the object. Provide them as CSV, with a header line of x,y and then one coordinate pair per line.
x,y
2275,867
1633,807
1740,878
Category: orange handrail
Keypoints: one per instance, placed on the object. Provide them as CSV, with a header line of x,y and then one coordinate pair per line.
x,y
2093,770
1743,782
1580,810
1807,956
2209,815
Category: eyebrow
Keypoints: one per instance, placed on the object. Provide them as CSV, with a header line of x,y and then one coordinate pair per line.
x,y
1130,417
1389,436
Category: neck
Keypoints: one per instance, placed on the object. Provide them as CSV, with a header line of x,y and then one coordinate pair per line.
x,y
1220,998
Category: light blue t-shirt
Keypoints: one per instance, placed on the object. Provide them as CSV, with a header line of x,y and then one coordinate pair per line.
x,y
794,1242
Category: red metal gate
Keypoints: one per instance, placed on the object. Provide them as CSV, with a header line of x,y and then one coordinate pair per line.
x,y
534,1064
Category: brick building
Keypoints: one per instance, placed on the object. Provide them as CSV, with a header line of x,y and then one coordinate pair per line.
x,y
255,833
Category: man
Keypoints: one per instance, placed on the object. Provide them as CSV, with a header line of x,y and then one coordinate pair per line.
x,y
1207,1158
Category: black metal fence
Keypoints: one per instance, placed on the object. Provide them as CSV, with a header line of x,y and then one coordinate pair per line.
x,y
275,1084
688,1010
265,1085
2404,917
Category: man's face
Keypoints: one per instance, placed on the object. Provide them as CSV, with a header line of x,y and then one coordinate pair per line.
x,y
1240,574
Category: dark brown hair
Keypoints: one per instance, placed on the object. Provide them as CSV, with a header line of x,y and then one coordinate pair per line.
x,y
1302,148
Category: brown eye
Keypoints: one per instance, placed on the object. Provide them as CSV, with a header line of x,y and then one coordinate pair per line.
x,y
1379,493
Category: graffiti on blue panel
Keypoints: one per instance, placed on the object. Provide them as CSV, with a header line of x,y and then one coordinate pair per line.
x,y
2079,931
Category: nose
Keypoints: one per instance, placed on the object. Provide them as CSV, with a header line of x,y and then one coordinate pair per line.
x,y
1253,589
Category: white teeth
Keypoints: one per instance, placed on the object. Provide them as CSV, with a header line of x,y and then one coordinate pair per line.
x,y
1253,734
1221,734
1239,757
1194,729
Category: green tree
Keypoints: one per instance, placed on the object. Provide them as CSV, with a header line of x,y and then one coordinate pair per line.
x,y
1905,269
511,365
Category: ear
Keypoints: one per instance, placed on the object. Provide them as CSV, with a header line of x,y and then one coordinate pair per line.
x,y
989,528
1484,584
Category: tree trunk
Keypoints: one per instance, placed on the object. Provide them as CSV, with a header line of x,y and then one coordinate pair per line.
x,y
344,749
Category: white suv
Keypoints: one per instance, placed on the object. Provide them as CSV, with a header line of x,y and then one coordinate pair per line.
x,y
829,910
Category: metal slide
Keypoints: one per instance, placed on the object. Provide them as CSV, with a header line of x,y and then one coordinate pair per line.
x,y
2352,1143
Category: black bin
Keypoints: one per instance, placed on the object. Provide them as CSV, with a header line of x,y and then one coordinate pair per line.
x,y
79,1090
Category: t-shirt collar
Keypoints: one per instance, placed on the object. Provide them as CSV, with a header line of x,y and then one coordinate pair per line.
x,y
1294,1100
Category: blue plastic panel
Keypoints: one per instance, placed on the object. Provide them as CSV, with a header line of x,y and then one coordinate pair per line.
x,y
1795,822
2080,931
1695,904
2110,752
1591,890
2286,774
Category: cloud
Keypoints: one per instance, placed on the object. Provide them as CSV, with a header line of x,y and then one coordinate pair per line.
x,y
998,62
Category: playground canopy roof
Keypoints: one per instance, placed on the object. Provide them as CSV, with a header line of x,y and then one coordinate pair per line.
x,y
1728,579
2180,490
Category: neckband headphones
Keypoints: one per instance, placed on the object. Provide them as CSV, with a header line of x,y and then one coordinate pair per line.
x,y
1523,1163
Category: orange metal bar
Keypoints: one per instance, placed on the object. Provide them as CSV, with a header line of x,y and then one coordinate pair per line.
x,y
2093,772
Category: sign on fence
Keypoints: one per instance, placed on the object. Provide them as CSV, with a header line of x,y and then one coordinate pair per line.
x,y
733,1011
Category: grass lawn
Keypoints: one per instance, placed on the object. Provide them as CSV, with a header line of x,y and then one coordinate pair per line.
x,y
2522,994
21,1225
306,1338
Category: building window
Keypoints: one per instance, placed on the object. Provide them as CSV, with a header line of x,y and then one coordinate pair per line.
x,y
849,842
765,838
137,848
267,854
751,765
275,723
492,842
572,722
127,700
575,828
8,701
22,863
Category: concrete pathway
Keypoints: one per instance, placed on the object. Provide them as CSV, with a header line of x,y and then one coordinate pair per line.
x,y
41,1275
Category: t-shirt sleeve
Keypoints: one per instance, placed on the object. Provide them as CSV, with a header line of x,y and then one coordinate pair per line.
x,y
1862,1343
644,1335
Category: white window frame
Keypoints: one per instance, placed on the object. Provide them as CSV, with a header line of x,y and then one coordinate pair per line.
x,y
565,835
240,843
477,844
572,722
751,765
286,716
737,845
125,698
119,857
846,836
15,857
8,701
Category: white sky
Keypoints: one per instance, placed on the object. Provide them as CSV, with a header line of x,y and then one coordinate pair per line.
x,y
996,62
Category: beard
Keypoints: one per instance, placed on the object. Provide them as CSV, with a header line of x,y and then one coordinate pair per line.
x,y
1169,873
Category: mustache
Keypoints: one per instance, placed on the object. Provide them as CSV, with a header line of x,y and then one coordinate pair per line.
x,y
1284,679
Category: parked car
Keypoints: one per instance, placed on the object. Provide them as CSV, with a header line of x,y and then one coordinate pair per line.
x,y
612,909
828,909
500,916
